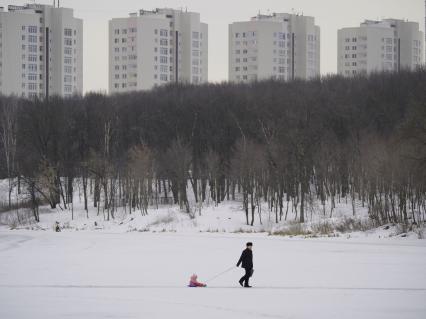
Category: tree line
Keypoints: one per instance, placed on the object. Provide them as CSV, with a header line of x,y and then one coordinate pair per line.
x,y
287,144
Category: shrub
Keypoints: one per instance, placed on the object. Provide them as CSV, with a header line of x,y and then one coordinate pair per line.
x,y
349,224
323,228
295,229
162,220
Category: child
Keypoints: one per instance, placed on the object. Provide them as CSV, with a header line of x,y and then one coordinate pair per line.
x,y
194,283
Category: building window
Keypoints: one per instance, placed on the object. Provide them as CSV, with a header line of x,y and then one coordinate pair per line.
x,y
68,32
163,77
32,29
68,41
32,48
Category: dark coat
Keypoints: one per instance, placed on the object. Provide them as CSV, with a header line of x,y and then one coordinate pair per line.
x,y
246,259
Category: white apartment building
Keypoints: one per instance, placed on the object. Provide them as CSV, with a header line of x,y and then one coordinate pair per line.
x,y
280,46
152,48
41,51
387,45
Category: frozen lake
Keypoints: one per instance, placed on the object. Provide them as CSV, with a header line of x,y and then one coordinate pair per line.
x,y
144,275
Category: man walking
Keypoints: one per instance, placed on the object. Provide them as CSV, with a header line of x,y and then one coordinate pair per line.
x,y
246,261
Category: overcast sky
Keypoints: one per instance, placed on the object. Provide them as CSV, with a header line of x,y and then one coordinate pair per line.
x,y
330,15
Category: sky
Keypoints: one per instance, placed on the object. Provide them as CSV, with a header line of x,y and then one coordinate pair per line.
x,y
330,15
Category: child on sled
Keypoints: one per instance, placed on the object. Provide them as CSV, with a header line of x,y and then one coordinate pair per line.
x,y
193,282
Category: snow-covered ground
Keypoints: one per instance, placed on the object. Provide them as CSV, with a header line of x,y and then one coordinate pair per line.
x,y
89,274
136,266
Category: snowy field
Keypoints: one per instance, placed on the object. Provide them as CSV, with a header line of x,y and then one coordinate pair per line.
x,y
89,274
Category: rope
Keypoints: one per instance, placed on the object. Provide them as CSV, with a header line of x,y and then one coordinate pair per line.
x,y
220,274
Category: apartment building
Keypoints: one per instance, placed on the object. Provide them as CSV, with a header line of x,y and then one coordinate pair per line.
x,y
280,46
386,45
151,48
41,51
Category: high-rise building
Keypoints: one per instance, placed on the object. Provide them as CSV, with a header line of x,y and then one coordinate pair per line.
x,y
387,45
151,48
281,46
41,51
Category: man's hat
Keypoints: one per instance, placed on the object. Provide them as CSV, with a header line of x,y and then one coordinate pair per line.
x,y
249,244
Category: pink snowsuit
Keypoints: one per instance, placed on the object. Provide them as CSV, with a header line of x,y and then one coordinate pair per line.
x,y
193,282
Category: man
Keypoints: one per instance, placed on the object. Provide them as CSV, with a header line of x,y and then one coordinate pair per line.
x,y
246,261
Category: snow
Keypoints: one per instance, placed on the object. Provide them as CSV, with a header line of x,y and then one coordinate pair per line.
x,y
136,266
111,274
